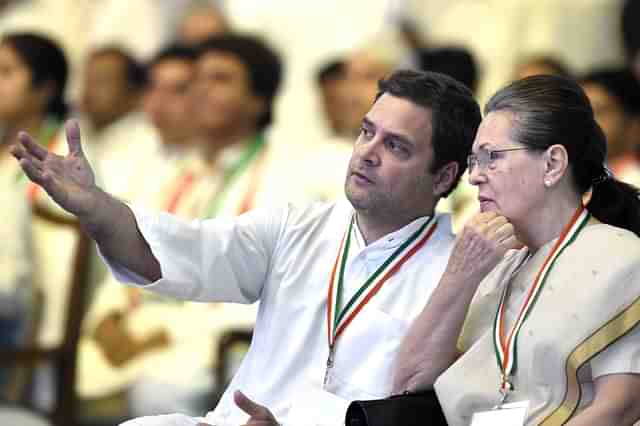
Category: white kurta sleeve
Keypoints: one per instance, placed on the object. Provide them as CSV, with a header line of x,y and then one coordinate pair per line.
x,y
224,260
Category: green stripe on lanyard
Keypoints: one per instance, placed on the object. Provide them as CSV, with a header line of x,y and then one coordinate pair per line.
x,y
340,314
506,353
232,173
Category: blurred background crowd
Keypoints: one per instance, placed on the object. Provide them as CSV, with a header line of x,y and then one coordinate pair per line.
x,y
207,108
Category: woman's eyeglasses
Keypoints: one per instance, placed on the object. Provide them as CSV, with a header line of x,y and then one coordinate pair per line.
x,y
485,158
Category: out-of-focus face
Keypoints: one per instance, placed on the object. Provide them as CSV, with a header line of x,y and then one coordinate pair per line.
x,y
106,93
334,103
513,182
167,99
610,116
388,173
18,96
361,86
201,25
222,99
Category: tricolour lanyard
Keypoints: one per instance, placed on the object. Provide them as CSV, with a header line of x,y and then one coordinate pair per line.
x,y
338,318
505,345
185,183
232,173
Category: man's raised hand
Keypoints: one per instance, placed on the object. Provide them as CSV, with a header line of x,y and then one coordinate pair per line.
x,y
69,180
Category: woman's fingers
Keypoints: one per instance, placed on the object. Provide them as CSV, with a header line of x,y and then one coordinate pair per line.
x,y
503,231
511,243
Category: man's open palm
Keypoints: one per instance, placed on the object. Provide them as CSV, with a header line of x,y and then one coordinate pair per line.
x,y
68,180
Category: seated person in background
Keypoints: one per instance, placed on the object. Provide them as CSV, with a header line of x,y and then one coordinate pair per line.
x,y
118,133
32,87
237,79
553,325
337,283
135,342
615,98
35,252
32,83
331,81
541,65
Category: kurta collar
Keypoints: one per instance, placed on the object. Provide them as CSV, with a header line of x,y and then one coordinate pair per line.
x,y
391,240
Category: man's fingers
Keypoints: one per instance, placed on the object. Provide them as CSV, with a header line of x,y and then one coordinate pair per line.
x,y
31,146
72,130
37,164
248,406
31,171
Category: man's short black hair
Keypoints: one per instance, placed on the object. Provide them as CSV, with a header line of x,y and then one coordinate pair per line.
x,y
177,52
135,72
263,65
455,115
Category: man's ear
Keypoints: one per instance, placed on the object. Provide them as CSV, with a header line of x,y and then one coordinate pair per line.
x,y
444,178
556,161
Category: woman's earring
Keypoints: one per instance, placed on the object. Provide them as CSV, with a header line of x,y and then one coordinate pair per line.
x,y
547,182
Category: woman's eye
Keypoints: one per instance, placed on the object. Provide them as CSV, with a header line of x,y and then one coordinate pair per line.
x,y
494,155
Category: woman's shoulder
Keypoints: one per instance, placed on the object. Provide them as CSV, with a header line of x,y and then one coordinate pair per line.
x,y
609,241
605,252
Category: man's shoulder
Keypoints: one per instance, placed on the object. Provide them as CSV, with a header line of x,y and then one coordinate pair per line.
x,y
319,214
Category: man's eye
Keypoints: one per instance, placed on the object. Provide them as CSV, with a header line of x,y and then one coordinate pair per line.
x,y
366,132
397,148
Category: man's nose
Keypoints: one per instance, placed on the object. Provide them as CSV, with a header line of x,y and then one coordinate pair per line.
x,y
370,152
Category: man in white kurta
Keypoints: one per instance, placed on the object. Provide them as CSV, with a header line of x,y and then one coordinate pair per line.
x,y
284,259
